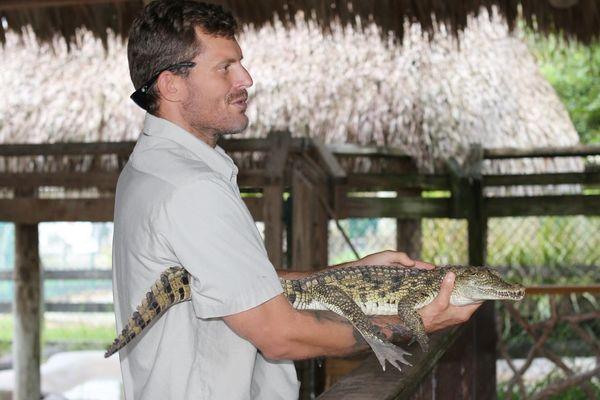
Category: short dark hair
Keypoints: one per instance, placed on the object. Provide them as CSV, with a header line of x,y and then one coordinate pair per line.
x,y
164,34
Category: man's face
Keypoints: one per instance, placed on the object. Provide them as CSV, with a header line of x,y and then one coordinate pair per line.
x,y
216,89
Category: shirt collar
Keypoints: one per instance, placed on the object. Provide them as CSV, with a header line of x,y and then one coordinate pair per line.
x,y
216,158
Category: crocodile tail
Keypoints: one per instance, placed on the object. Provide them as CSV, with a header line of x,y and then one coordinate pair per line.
x,y
171,288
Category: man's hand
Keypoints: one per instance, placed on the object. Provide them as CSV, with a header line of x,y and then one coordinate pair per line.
x,y
440,314
392,258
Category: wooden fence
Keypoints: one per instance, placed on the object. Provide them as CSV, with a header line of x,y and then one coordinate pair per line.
x,y
322,182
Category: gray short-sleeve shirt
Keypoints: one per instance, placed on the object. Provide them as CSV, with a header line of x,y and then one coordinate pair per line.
x,y
178,203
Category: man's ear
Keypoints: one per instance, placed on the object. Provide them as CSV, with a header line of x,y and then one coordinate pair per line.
x,y
170,87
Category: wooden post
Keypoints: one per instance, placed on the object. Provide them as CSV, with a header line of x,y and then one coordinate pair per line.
x,y
468,369
27,313
275,163
309,250
309,219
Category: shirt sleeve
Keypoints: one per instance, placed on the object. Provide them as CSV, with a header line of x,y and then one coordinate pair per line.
x,y
214,237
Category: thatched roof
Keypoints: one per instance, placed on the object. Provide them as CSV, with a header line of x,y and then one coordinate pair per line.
x,y
578,19
429,98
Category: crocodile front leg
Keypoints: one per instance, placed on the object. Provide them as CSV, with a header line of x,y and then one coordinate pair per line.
x,y
412,321
338,301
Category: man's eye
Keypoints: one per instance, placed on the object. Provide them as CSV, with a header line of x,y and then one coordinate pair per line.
x,y
226,67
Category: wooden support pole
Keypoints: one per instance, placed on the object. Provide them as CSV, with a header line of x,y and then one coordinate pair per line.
x,y
309,250
408,230
27,313
468,369
280,143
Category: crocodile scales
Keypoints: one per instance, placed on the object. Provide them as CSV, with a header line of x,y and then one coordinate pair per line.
x,y
351,292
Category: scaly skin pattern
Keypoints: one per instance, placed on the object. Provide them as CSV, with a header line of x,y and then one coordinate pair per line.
x,y
171,288
353,293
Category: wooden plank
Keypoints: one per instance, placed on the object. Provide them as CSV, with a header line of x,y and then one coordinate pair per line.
x,y
309,250
334,168
14,5
584,178
280,143
350,149
373,182
6,307
561,289
61,149
469,366
551,151
480,376
369,382
61,179
252,178
542,205
405,207
303,203
32,210
255,206
27,314
66,274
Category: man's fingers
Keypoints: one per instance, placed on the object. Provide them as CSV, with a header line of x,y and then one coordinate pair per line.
x,y
443,298
403,259
423,265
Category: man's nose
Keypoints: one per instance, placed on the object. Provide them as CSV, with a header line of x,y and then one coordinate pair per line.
x,y
245,80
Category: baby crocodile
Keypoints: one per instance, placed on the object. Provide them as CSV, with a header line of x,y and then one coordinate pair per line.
x,y
351,292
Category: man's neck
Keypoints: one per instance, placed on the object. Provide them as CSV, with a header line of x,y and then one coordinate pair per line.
x,y
209,139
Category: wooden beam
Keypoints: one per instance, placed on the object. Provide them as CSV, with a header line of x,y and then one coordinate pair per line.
x,y
66,274
561,289
553,151
542,205
334,168
369,382
405,207
33,210
277,157
66,307
16,5
59,149
27,314
105,180
255,206
376,182
584,178
350,149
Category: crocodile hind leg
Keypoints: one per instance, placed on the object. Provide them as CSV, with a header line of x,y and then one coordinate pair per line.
x,y
336,300
413,322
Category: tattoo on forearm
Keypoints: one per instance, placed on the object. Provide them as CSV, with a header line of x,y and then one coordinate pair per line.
x,y
359,342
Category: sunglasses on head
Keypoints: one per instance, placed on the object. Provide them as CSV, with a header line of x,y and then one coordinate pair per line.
x,y
140,96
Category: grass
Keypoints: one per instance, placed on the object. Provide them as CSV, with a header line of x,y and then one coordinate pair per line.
x,y
78,334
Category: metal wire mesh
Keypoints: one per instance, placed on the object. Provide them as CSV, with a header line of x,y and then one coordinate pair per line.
x,y
441,241
368,235
539,250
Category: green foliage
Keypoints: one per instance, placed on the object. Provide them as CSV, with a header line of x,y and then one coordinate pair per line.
x,y
572,393
574,71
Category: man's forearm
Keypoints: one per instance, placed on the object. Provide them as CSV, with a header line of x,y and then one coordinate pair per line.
x,y
324,333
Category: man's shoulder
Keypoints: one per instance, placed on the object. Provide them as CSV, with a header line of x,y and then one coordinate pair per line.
x,y
168,162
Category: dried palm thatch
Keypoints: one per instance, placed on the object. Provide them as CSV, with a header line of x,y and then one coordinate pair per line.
x,y
578,19
350,85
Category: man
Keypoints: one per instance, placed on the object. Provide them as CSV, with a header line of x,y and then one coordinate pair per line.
x,y
178,203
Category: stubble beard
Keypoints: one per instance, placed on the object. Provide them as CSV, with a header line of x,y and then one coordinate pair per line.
x,y
208,121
